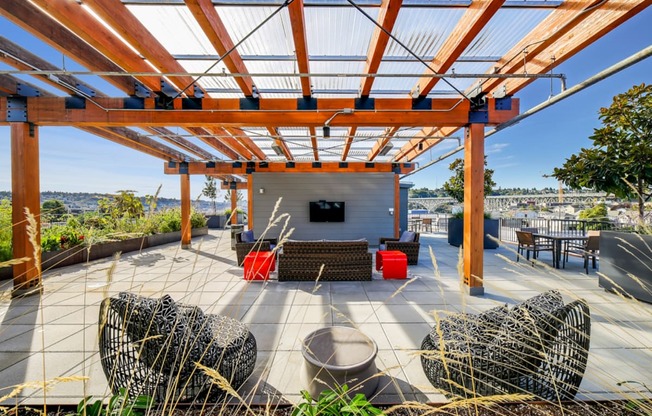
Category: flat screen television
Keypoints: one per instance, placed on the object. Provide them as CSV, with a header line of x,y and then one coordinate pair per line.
x,y
326,211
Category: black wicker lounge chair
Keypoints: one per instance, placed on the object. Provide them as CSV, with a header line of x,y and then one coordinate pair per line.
x,y
150,346
408,244
538,347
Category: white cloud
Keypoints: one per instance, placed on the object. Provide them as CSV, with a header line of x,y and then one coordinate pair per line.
x,y
496,148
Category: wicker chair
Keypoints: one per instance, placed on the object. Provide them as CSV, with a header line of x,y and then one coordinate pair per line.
x,y
410,248
150,346
243,248
539,347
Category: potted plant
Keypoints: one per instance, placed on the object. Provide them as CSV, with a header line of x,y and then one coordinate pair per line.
x,y
619,163
455,189
210,191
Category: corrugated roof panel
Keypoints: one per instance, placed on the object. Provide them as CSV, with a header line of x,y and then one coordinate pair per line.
x,y
423,30
275,83
273,38
404,84
352,84
218,82
461,84
504,30
338,30
187,36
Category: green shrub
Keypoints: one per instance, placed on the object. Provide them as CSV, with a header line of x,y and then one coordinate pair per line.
x,y
197,220
335,403
5,230
119,405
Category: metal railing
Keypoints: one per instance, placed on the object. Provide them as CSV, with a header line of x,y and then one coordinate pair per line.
x,y
508,226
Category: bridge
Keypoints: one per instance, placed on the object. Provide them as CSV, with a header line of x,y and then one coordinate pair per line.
x,y
493,203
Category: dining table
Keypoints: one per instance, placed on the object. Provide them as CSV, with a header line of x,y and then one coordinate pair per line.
x,y
557,238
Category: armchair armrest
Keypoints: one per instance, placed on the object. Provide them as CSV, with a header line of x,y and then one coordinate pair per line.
x,y
383,240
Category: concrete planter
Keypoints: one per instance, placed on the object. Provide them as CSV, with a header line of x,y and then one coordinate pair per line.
x,y
623,255
80,254
215,221
456,232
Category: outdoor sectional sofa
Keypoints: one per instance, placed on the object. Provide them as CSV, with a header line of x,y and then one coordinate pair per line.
x,y
341,260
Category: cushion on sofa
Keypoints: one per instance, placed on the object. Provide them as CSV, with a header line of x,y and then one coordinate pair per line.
x,y
407,237
247,236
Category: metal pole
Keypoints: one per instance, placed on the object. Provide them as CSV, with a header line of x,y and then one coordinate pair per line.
x,y
626,63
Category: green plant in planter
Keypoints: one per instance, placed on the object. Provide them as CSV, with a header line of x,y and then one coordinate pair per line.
x,y
460,215
210,191
119,405
335,403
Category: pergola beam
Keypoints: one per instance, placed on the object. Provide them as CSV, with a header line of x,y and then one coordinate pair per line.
x,y
77,19
231,142
103,112
116,14
579,30
467,28
175,139
298,21
246,141
136,141
313,142
387,16
276,136
381,142
348,141
246,168
29,17
212,25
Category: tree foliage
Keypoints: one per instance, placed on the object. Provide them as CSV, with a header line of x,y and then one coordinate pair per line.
x,y
454,187
597,212
620,161
210,191
125,204
53,210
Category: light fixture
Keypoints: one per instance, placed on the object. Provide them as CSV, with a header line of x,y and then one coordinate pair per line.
x,y
327,128
278,150
386,149
261,190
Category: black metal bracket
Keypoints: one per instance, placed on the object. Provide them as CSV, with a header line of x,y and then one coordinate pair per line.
x,y
141,91
88,92
249,103
75,103
306,103
168,89
17,109
27,90
365,103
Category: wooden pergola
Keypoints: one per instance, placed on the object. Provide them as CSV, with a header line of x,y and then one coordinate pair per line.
x,y
253,98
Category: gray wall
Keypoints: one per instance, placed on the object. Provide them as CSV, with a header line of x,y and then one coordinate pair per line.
x,y
368,198
405,190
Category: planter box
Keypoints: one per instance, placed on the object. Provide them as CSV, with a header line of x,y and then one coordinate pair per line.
x,y
622,255
215,221
80,254
456,232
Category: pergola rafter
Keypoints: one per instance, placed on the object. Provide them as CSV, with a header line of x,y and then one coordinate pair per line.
x,y
298,21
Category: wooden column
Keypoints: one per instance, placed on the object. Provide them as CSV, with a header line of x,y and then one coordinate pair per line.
x,y
397,206
234,206
186,228
250,202
25,188
474,208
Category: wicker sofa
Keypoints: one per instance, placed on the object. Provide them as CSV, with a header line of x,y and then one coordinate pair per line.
x,y
341,260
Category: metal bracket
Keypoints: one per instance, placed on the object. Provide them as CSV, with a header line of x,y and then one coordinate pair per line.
x,y
197,92
365,103
141,91
86,90
306,103
17,109
32,129
344,165
183,168
504,103
75,103
369,165
168,89
249,103
134,103
422,103
478,117
191,103
27,90
316,164
210,164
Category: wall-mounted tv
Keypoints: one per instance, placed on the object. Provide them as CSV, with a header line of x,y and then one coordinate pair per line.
x,y
326,211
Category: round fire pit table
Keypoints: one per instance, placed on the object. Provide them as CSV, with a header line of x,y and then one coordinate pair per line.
x,y
339,355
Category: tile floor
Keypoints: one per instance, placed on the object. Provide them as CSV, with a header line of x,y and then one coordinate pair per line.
x,y
55,335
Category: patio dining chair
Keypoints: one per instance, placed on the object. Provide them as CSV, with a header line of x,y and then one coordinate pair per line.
x,y
426,223
151,347
588,250
537,347
528,243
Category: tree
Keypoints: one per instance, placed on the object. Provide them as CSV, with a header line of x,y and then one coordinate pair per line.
x,y
210,191
598,212
454,187
53,210
124,204
620,161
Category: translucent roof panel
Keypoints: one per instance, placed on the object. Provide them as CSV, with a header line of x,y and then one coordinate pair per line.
x,y
273,38
219,82
321,85
495,40
280,84
338,30
422,30
399,84
187,36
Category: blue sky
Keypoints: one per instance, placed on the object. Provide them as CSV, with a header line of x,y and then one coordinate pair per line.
x,y
74,161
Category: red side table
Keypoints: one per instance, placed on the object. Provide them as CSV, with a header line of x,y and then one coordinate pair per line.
x,y
258,265
392,263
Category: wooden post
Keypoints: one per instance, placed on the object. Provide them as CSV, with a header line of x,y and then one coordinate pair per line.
x,y
250,202
397,206
234,206
25,188
186,228
474,208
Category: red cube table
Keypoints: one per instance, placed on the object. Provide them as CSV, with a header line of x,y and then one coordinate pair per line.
x,y
392,263
258,265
